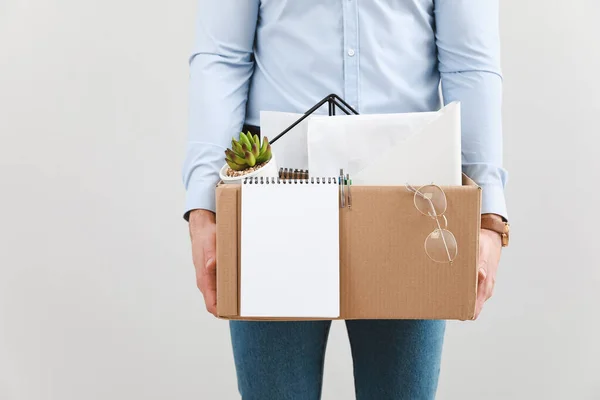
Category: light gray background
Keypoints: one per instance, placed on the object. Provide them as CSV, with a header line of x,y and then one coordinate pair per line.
x,y
97,292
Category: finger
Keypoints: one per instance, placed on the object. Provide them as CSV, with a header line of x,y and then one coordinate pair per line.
x,y
211,275
479,305
208,289
210,300
481,291
199,260
482,286
478,309
210,264
209,250
489,288
481,275
210,294
206,282
200,277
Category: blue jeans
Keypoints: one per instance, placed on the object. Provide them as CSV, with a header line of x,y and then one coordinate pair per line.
x,y
393,359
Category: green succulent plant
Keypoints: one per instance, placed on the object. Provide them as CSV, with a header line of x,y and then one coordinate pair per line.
x,y
247,152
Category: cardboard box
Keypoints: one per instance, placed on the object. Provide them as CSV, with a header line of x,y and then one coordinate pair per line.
x,y
384,270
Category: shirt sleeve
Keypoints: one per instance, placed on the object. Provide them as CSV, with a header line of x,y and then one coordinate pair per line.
x,y
468,43
221,65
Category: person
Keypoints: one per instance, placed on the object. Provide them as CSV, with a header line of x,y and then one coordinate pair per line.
x,y
381,57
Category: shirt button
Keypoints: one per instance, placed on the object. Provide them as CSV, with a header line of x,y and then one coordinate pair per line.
x,y
351,52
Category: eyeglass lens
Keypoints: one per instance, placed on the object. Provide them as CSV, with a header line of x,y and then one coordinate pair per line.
x,y
441,246
432,201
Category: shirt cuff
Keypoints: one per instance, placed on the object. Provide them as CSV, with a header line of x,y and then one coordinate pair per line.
x,y
199,195
492,181
201,175
493,201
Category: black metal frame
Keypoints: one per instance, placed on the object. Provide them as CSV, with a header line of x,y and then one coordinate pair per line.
x,y
333,100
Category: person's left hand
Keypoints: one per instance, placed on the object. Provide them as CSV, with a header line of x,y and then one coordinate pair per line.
x,y
490,247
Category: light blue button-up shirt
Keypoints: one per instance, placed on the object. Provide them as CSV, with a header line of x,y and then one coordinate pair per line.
x,y
381,56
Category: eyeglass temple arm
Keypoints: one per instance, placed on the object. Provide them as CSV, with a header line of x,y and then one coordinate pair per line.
x,y
443,238
416,191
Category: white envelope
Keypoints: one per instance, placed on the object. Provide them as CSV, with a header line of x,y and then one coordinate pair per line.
x,y
388,149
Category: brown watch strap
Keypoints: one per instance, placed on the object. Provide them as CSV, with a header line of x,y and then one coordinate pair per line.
x,y
494,224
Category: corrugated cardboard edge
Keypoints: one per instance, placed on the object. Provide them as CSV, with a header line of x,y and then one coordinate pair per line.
x,y
470,182
227,278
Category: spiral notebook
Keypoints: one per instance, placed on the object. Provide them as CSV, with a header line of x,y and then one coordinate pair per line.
x,y
290,264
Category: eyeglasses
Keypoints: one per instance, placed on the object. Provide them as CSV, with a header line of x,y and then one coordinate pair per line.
x,y
440,245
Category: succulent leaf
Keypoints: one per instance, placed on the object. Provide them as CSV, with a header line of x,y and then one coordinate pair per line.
x,y
244,140
266,156
231,155
255,150
234,166
250,159
237,147
257,141
265,143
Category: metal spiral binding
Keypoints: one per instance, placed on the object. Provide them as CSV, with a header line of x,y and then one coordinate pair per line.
x,y
345,197
271,180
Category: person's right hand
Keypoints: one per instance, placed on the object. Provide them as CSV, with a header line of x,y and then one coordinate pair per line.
x,y
203,234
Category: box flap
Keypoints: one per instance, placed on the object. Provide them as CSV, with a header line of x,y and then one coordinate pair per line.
x,y
466,181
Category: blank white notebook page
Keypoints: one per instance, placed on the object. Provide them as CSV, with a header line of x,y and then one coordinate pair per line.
x,y
290,265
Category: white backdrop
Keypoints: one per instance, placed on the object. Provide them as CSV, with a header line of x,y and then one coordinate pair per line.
x,y
97,292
